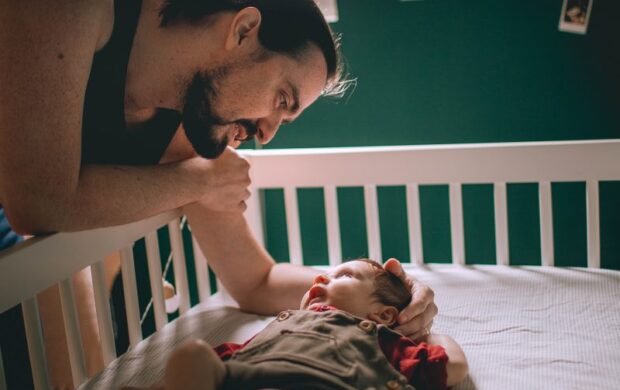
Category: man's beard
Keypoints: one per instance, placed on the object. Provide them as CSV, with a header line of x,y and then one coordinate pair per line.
x,y
201,124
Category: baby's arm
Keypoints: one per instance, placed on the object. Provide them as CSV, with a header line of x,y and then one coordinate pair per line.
x,y
457,362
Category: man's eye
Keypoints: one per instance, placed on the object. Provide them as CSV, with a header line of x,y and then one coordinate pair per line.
x,y
283,103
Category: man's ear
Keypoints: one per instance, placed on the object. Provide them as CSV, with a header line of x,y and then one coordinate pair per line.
x,y
244,28
385,315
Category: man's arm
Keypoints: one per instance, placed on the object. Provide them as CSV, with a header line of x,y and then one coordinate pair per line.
x,y
247,271
47,51
261,286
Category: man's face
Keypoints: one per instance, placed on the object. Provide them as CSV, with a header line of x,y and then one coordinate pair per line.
x,y
251,98
348,287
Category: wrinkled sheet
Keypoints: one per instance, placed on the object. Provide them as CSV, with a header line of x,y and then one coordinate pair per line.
x,y
520,327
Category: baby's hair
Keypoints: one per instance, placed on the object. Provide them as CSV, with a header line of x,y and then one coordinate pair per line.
x,y
389,289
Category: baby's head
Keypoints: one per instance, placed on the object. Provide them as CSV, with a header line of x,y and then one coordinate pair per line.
x,y
361,287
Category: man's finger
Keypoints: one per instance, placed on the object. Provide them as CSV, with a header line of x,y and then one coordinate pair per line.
x,y
420,321
421,297
394,267
415,309
420,325
414,325
419,334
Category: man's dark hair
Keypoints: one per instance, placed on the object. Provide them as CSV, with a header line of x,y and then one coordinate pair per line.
x,y
389,289
287,27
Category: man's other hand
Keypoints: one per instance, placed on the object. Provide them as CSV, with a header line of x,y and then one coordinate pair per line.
x,y
226,181
416,319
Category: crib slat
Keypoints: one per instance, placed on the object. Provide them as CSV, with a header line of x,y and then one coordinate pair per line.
x,y
372,222
292,225
501,223
178,263
130,291
202,272
546,223
104,318
594,236
72,331
36,349
456,223
414,224
333,225
155,278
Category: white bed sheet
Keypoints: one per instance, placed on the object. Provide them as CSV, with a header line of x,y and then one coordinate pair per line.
x,y
521,328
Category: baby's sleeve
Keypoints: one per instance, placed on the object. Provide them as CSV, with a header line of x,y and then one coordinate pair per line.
x,y
423,365
226,350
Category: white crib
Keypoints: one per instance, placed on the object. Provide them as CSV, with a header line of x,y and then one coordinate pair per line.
x,y
42,262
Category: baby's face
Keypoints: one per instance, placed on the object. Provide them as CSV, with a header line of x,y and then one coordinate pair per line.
x,y
348,287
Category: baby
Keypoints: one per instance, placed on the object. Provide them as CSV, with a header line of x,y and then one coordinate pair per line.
x,y
340,338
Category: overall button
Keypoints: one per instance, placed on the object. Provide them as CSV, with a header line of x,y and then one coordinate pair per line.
x,y
283,316
393,384
367,326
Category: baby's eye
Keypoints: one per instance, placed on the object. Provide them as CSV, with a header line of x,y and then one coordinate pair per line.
x,y
345,274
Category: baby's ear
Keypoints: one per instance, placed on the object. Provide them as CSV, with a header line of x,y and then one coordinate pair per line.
x,y
385,315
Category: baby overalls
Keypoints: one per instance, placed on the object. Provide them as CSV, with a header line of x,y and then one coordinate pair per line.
x,y
304,349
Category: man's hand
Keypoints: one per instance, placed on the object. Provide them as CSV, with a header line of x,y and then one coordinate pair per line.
x,y
417,318
227,179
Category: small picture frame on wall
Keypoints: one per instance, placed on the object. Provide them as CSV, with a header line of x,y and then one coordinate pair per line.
x,y
575,16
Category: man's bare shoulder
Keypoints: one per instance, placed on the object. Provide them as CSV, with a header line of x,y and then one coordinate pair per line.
x,y
47,48
89,22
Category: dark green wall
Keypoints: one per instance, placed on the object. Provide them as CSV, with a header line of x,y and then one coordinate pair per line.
x,y
440,71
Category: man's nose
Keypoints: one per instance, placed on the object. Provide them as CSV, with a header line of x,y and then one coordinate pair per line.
x,y
267,129
321,279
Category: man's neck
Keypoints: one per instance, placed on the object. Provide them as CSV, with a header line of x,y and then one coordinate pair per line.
x,y
152,70
163,60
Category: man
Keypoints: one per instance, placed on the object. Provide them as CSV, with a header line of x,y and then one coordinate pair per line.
x,y
111,112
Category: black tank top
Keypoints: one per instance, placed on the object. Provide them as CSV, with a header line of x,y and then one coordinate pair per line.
x,y
105,137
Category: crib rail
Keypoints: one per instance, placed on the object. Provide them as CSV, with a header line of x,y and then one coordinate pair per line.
x,y
42,262
455,165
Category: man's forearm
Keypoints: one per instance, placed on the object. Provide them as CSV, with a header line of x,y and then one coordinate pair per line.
x,y
245,268
283,289
106,196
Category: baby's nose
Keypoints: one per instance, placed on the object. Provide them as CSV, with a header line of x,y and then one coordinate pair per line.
x,y
321,279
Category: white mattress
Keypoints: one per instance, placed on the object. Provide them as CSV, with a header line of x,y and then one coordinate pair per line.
x,y
521,328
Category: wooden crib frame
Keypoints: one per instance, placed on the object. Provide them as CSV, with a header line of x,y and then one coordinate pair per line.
x,y
41,262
